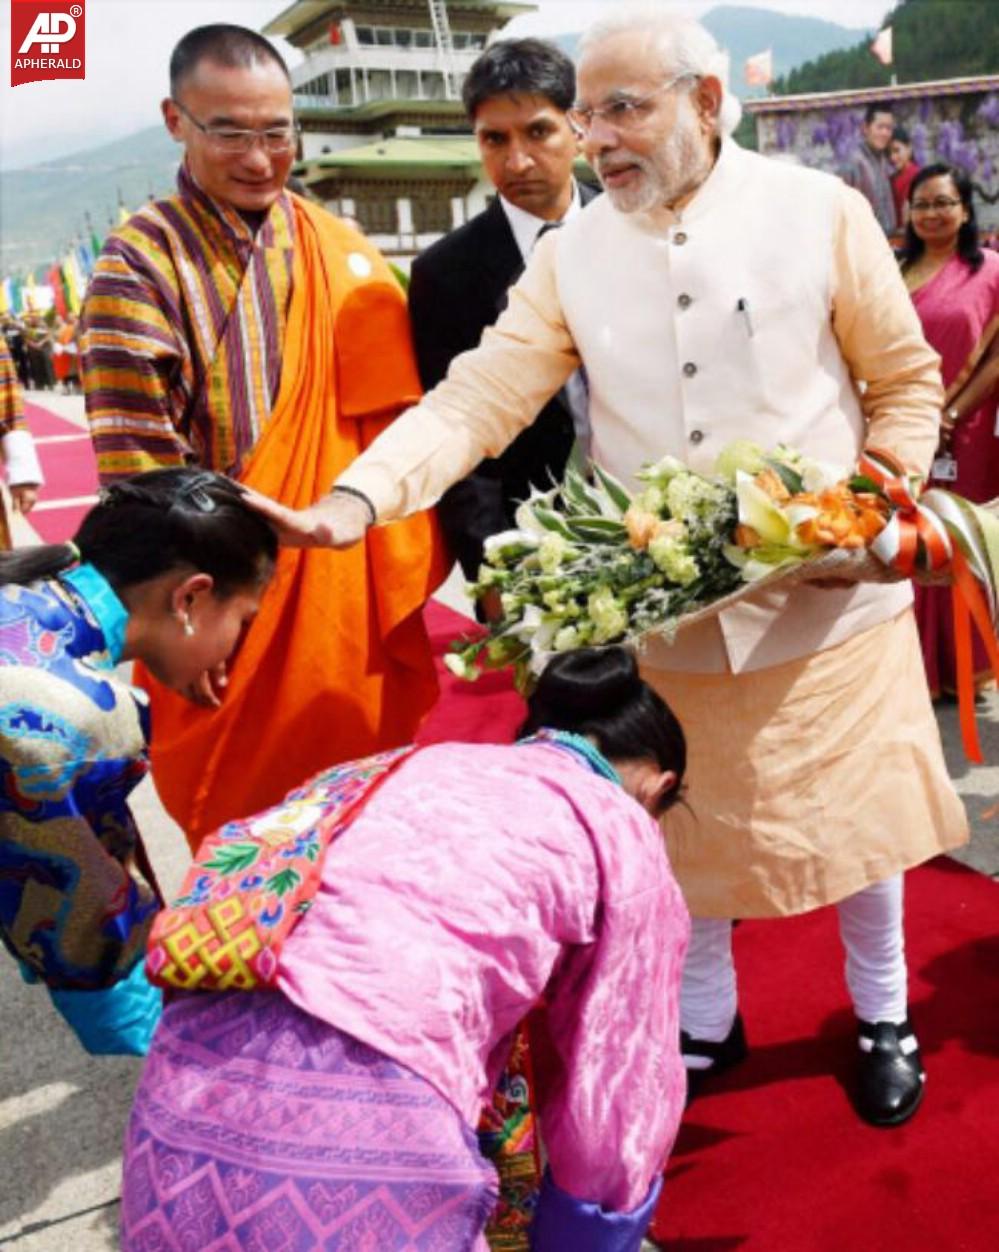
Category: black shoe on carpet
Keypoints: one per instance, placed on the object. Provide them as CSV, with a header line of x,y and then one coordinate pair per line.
x,y
719,1056
890,1078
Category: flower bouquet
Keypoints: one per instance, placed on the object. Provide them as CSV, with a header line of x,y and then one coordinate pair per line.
x,y
590,563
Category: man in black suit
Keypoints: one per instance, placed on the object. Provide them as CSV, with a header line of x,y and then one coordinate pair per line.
x,y
516,95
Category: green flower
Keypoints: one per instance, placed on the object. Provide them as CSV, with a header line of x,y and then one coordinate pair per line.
x,y
566,639
690,497
608,615
672,555
553,551
740,454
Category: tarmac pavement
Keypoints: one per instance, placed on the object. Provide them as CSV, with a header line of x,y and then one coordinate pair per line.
x,y
62,1113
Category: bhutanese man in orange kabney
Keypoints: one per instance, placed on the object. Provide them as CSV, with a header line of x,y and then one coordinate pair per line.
x,y
236,326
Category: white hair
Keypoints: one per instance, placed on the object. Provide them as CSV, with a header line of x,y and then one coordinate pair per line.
x,y
686,46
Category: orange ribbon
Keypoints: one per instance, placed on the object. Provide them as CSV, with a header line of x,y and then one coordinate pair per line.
x,y
916,538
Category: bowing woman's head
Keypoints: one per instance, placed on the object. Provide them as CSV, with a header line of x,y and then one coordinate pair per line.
x,y
188,559
598,693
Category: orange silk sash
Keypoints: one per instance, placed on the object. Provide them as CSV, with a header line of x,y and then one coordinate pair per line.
x,y
337,664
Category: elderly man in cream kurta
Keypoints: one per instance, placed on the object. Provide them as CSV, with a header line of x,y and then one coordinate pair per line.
x,y
713,294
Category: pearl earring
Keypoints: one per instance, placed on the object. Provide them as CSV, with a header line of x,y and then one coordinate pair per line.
x,y
187,624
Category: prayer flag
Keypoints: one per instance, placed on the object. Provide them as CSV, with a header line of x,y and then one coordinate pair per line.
x,y
54,278
881,47
5,297
760,69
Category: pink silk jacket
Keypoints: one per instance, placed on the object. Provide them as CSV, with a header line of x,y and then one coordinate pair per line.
x,y
477,880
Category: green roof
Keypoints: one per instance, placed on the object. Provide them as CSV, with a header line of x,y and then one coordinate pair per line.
x,y
398,154
301,13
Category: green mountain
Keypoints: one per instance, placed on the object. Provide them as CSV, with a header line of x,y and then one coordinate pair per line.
x,y
44,208
744,32
932,39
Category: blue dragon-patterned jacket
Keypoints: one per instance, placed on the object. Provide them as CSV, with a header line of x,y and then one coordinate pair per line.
x,y
73,744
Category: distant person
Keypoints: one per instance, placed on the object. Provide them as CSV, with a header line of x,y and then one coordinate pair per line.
x,y
516,96
905,170
13,333
66,353
17,449
166,569
38,338
239,327
337,1110
954,285
869,170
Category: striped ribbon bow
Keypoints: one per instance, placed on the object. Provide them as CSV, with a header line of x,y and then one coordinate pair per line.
x,y
936,531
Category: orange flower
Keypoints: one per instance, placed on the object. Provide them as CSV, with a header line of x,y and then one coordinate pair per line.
x,y
770,481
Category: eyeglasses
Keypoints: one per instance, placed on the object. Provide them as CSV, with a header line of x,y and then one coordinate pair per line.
x,y
940,205
232,140
624,113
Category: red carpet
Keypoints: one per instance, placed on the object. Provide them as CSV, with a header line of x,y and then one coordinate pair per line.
x,y
486,711
70,473
774,1159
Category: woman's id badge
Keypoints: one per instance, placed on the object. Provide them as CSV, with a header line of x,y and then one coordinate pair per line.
x,y
944,469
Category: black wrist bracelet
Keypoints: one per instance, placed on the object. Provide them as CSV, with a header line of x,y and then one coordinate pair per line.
x,y
358,495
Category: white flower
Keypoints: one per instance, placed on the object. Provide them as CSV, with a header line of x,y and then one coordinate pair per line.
x,y
460,667
508,545
566,639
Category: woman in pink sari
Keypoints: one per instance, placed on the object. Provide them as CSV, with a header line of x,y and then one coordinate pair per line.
x,y
955,287
337,1111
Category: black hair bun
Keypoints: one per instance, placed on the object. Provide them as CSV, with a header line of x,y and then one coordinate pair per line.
x,y
589,682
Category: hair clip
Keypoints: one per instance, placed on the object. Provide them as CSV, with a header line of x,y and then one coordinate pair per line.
x,y
195,492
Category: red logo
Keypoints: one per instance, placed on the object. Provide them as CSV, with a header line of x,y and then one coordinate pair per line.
x,y
46,40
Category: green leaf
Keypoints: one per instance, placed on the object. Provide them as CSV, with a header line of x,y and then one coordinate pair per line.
x,y
791,479
551,520
596,529
234,858
283,881
617,492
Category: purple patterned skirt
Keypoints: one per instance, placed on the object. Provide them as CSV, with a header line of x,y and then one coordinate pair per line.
x,y
256,1126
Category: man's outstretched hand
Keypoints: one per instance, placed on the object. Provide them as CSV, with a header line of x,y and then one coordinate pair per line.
x,y
335,521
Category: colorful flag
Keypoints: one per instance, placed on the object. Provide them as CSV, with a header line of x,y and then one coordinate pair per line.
x,y
760,69
6,305
881,47
54,280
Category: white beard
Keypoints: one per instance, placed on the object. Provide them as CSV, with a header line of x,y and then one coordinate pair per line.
x,y
679,166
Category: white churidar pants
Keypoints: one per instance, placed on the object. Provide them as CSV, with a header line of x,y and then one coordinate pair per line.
x,y
870,926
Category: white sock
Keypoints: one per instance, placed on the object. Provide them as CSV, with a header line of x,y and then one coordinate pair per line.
x,y
708,992
870,925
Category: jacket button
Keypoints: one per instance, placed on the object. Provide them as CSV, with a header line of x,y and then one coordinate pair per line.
x,y
680,238
696,436
690,369
684,301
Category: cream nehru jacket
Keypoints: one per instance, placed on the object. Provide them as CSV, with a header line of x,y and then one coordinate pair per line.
x,y
754,314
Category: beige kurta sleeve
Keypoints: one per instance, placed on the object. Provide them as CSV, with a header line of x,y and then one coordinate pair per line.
x,y
490,394
882,340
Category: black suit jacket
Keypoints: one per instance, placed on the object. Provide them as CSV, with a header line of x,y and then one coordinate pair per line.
x,y
457,288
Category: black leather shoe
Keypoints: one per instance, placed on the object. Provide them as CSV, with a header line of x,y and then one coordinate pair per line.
x,y
890,1077
721,1056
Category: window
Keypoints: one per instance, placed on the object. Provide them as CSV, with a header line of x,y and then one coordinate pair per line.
x,y
383,37
379,85
433,86
403,38
431,213
476,41
378,216
344,87
423,38
406,84
365,35
459,40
